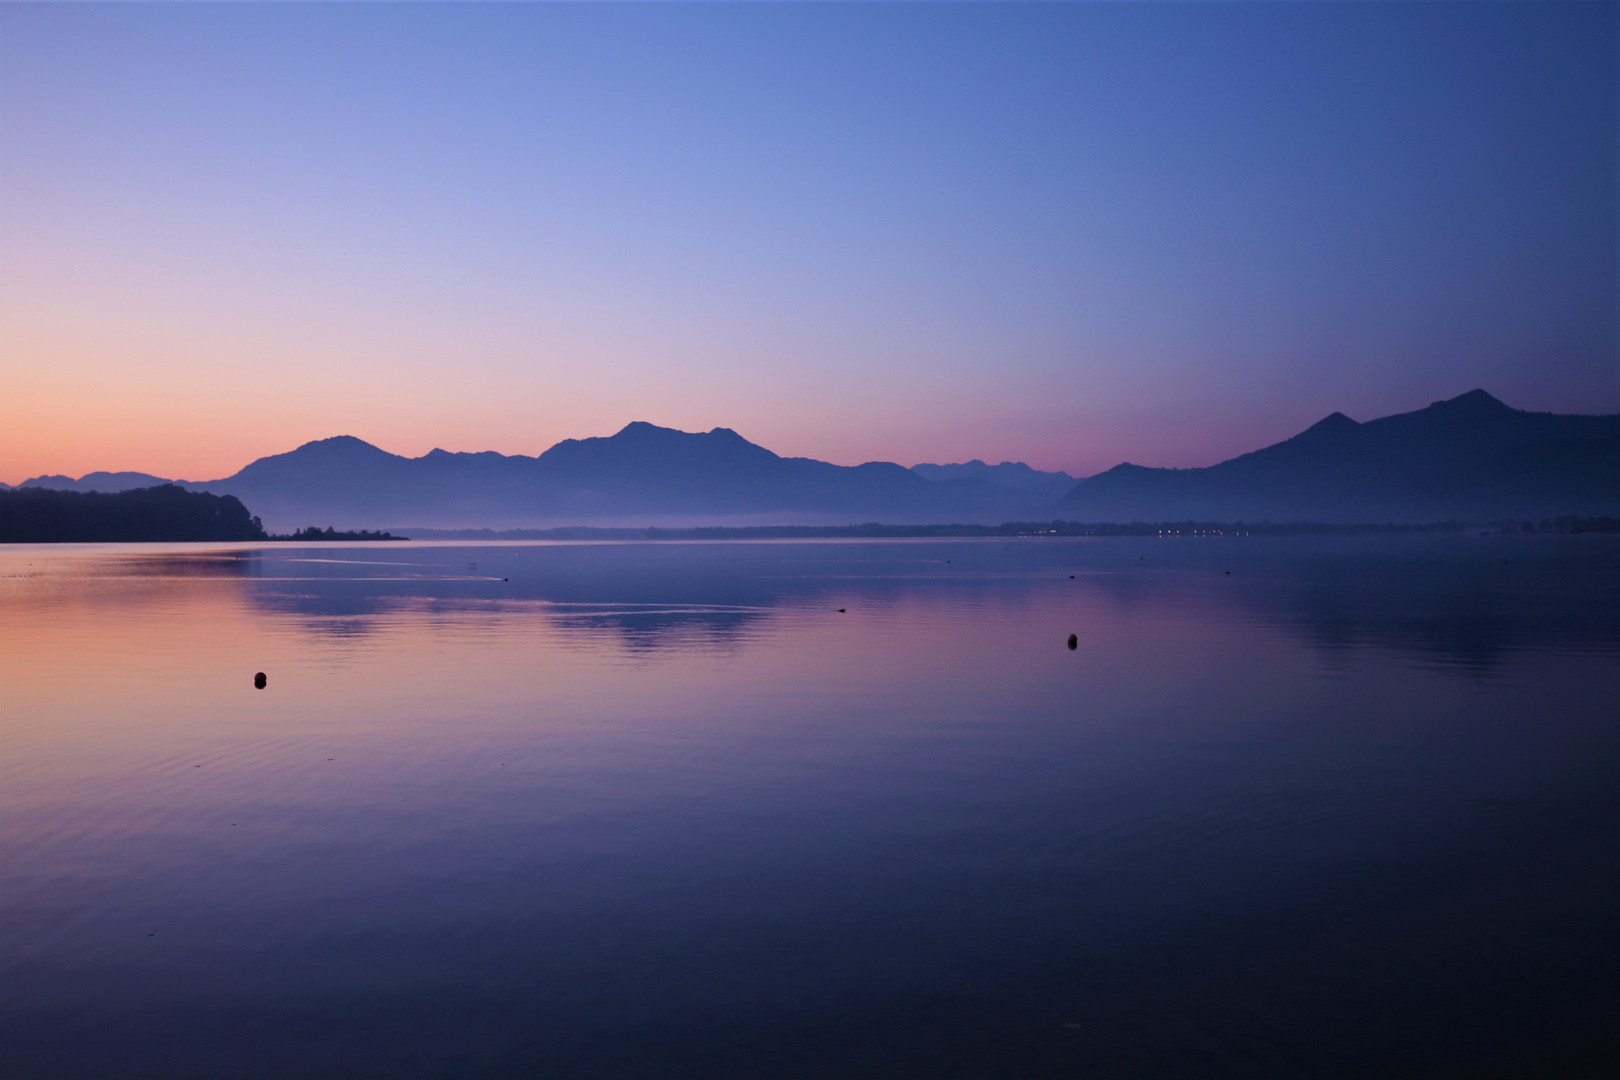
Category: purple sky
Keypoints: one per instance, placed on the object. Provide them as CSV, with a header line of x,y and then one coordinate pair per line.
x,y
1066,234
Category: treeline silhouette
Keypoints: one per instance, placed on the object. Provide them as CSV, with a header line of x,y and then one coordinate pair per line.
x,y
876,530
167,512
1573,524
329,533
170,513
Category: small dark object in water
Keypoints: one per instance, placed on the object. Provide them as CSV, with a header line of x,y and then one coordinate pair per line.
x,y
964,985
1071,577
840,611
505,579
1074,641
1229,573
259,680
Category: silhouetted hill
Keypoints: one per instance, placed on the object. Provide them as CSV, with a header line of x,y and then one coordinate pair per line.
x,y
98,481
1469,458
41,515
642,473
1011,476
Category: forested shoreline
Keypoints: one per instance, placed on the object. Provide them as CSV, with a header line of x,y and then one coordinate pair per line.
x,y
170,513
163,513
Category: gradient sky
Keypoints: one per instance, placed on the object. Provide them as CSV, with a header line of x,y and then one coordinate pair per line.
x,y
1065,234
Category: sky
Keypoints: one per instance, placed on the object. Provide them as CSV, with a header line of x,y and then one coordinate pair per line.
x,y
1067,234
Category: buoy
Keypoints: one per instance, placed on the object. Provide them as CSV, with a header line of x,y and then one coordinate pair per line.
x,y
259,680
1074,641
840,611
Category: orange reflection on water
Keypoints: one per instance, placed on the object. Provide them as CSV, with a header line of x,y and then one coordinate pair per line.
x,y
119,661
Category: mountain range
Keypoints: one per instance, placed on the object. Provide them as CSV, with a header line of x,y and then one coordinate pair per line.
x,y
1009,475
1469,458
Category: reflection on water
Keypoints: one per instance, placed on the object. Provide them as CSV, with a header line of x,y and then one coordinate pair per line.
x,y
1293,807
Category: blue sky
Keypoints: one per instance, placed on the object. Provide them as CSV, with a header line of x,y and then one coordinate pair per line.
x,y
1067,234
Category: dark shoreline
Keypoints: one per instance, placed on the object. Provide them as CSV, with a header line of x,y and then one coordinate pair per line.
x,y
170,514
876,530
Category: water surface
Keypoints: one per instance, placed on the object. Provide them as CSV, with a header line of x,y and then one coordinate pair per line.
x,y
1328,807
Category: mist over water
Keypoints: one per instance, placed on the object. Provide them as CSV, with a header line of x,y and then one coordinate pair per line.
x,y
1292,807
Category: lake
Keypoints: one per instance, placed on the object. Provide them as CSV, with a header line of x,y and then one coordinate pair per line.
x,y
1290,807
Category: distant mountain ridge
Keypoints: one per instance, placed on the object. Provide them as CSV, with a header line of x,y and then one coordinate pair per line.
x,y
99,481
1469,458
1011,475
643,472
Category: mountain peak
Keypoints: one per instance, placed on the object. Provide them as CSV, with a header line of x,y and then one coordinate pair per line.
x,y
653,444
340,444
1474,400
1331,425
643,429
339,453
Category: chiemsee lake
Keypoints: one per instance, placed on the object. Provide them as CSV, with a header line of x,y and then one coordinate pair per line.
x,y
1289,807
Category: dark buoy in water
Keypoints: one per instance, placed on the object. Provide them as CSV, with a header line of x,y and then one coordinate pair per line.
x,y
840,611
259,680
1071,577
1229,573
1074,641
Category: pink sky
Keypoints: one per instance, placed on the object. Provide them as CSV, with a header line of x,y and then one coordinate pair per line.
x,y
1064,234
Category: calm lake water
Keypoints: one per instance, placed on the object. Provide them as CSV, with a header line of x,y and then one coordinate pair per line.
x,y
840,809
